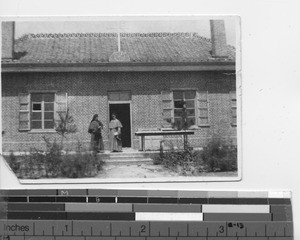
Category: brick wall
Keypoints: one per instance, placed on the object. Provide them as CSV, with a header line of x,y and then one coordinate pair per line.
x,y
87,95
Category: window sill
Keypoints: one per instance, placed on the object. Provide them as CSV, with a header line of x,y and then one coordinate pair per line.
x,y
42,131
204,126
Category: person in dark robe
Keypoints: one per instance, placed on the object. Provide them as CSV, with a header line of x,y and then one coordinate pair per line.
x,y
115,141
95,129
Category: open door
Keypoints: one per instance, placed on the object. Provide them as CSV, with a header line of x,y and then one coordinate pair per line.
x,y
123,115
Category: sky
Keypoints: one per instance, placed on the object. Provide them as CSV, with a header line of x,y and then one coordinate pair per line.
x,y
114,24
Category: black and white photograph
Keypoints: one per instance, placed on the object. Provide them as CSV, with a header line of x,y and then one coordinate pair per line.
x,y
122,99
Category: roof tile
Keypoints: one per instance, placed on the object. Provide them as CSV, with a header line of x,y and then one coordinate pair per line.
x,y
98,47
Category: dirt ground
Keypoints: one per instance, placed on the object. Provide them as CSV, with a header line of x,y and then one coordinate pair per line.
x,y
135,171
148,171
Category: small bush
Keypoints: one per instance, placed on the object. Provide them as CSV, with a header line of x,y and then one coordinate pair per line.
x,y
81,164
219,156
184,161
53,163
216,156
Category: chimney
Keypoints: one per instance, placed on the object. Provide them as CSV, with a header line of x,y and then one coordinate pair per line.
x,y
218,39
8,36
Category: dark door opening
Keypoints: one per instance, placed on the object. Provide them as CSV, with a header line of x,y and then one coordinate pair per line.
x,y
123,114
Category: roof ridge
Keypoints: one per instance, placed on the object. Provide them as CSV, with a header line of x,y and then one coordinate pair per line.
x,y
112,34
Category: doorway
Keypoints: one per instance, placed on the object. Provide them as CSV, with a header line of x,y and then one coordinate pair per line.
x,y
123,114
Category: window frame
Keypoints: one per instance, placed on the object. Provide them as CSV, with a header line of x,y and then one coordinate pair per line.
x,y
184,92
119,93
42,111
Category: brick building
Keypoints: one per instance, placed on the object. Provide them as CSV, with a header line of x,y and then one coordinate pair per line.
x,y
143,77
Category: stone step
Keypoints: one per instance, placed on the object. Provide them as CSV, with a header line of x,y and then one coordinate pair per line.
x,y
124,155
128,157
128,161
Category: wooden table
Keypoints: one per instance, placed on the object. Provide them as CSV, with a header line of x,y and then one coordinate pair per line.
x,y
163,133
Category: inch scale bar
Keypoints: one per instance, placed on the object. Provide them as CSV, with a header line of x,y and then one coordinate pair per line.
x,y
60,228
82,214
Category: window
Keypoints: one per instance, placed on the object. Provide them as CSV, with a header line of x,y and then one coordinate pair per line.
x,y
184,109
182,104
42,110
119,96
233,108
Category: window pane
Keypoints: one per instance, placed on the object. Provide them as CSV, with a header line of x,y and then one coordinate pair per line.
x,y
36,116
49,106
48,97
36,106
178,112
190,94
125,96
49,115
178,95
178,123
191,121
190,104
178,104
190,112
49,124
113,96
36,97
36,124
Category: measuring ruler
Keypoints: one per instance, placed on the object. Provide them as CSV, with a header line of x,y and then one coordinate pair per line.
x,y
101,214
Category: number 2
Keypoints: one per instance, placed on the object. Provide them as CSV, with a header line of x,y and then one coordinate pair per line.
x,y
143,228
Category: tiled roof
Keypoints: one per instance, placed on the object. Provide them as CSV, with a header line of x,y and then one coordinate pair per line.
x,y
98,47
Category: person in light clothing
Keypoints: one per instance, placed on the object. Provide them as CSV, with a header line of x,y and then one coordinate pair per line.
x,y
115,141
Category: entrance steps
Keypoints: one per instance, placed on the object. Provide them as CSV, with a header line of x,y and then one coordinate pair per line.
x,y
127,157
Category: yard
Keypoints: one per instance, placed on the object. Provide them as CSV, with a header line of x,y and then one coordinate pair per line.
x,y
216,159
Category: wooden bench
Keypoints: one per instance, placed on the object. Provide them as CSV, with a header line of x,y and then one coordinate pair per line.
x,y
144,133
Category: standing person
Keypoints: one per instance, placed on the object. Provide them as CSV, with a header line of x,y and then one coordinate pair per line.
x,y
115,142
95,129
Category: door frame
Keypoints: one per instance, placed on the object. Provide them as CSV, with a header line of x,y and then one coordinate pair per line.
x,y
130,113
